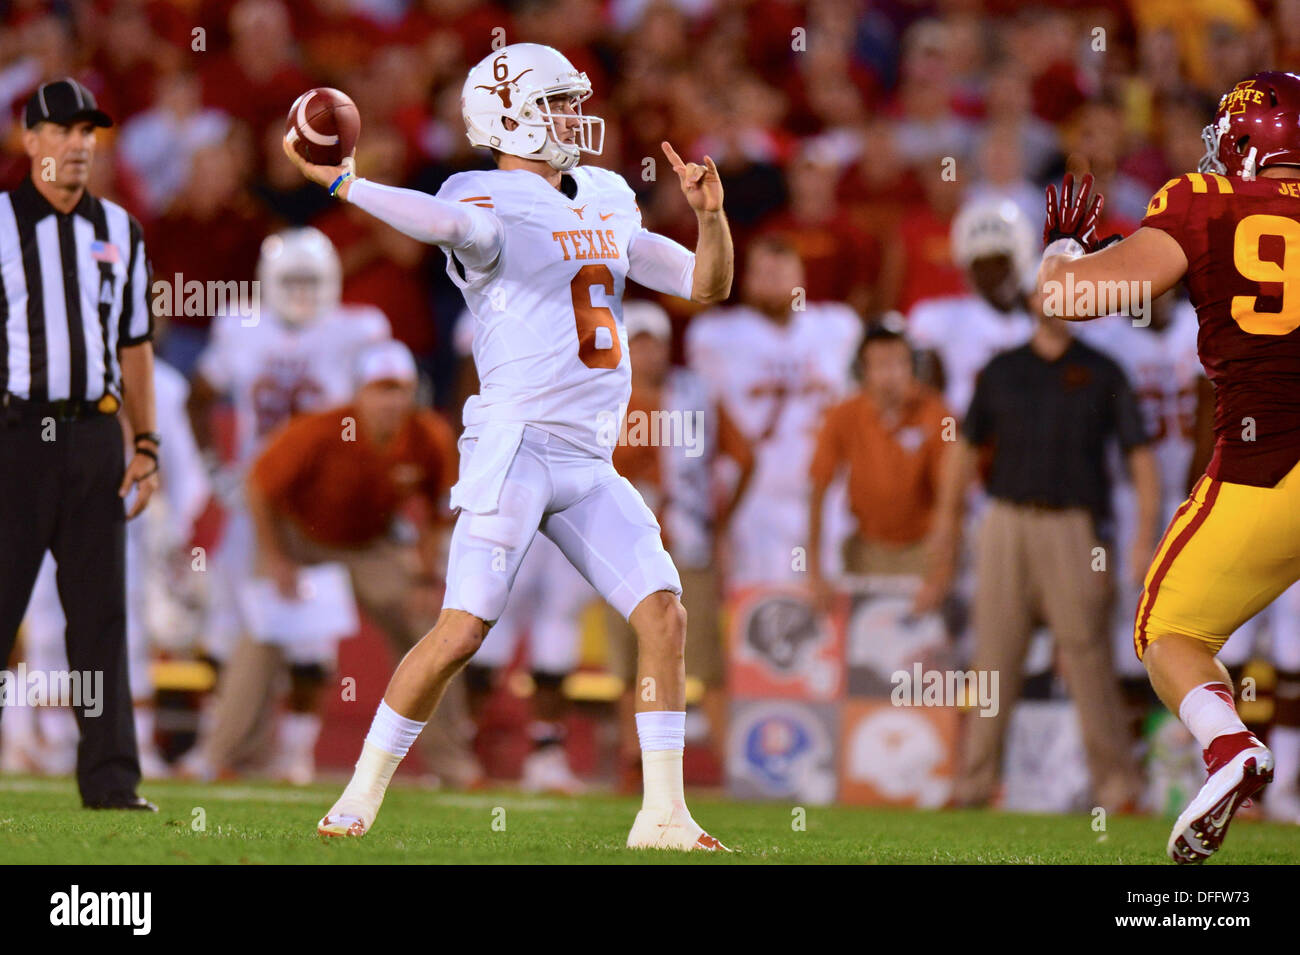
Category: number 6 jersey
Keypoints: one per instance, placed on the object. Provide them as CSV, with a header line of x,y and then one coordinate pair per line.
x,y
1242,242
549,342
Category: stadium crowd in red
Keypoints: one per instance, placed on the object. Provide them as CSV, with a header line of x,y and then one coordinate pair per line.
x,y
856,128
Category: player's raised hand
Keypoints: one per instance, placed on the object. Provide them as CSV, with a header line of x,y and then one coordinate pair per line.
x,y
1074,216
701,185
321,175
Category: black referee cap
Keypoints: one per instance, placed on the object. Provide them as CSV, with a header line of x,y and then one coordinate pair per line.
x,y
64,102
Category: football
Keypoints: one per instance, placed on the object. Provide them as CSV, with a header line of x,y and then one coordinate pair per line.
x,y
323,126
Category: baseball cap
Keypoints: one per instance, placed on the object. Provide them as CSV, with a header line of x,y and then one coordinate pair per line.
x,y
385,361
64,102
646,317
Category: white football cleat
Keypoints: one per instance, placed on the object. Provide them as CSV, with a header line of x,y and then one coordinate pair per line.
x,y
1239,768
349,817
671,829
547,771
338,823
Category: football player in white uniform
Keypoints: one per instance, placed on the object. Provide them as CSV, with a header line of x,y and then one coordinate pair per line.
x,y
776,368
994,242
297,357
542,250
545,610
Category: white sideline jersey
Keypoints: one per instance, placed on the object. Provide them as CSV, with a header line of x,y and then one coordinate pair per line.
x,y
965,332
273,370
776,383
549,342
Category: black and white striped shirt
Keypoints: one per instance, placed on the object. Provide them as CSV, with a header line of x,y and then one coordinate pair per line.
x,y
75,289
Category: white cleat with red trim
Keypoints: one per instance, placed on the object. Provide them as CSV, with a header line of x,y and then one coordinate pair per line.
x,y
346,820
1239,766
671,829
341,824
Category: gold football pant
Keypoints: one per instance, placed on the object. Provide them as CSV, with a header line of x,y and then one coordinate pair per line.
x,y
1230,551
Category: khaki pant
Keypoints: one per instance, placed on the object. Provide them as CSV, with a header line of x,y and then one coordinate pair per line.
x,y
704,658
862,556
383,579
1032,565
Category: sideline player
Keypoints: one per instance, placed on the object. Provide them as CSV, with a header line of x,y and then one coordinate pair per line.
x,y
996,246
542,250
297,357
1230,550
775,368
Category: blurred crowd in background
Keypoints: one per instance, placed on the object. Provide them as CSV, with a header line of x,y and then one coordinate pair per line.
x,y
829,119
848,133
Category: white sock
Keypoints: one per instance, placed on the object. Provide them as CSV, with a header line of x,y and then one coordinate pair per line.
x,y
389,739
663,738
661,729
392,732
1284,741
1208,712
298,735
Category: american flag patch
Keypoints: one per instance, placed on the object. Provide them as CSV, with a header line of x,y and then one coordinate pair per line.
x,y
104,252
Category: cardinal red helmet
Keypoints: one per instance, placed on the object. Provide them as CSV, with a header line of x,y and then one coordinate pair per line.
x,y
1257,125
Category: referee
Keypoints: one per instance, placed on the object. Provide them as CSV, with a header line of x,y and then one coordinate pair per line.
x,y
75,349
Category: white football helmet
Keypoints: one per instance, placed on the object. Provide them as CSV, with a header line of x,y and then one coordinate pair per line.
x,y
514,84
300,274
993,226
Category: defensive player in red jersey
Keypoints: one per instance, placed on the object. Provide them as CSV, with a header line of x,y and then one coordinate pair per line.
x,y
1232,231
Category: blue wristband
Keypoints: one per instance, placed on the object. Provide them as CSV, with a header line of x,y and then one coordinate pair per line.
x,y
334,187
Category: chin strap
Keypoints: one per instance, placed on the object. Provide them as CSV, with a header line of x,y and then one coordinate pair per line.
x,y
1248,165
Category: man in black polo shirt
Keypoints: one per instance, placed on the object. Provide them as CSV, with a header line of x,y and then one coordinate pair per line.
x,y
75,350
1040,422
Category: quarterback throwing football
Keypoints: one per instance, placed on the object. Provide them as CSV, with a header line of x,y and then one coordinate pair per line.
x,y
542,251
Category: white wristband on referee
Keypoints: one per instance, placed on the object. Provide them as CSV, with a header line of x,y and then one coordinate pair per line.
x,y
1065,246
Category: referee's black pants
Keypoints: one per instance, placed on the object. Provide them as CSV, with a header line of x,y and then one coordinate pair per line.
x,y
61,495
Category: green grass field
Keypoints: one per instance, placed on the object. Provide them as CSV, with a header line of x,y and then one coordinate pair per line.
x,y
41,822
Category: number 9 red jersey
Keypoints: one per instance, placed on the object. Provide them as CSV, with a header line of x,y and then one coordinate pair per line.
x,y
1242,242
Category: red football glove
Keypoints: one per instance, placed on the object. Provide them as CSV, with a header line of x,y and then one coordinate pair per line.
x,y
1075,217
